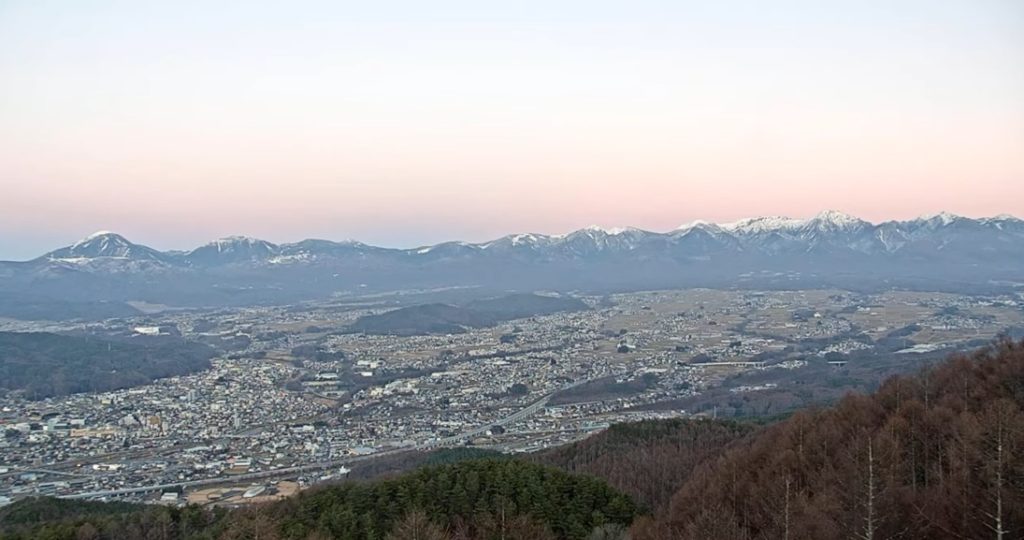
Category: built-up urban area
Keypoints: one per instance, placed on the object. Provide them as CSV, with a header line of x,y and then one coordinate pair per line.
x,y
294,399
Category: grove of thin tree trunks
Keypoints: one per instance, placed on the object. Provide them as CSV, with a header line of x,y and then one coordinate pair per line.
x,y
938,454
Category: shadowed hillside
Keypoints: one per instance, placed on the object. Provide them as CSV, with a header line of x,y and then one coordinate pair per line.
x,y
448,319
936,455
649,460
40,364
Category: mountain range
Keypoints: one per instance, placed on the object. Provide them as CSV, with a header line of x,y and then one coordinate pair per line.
x,y
938,252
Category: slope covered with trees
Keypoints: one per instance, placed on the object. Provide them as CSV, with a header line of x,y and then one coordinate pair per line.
x,y
422,319
648,460
40,364
471,499
447,319
59,519
936,455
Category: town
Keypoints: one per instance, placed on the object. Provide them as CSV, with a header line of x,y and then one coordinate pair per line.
x,y
296,401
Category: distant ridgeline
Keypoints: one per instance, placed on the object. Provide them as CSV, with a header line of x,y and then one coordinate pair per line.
x,y
39,365
939,454
940,253
448,319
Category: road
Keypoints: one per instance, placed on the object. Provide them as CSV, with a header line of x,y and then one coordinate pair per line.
x,y
521,414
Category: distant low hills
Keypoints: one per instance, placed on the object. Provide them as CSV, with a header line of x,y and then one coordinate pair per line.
x,y
448,319
39,364
422,319
520,306
941,252
16,305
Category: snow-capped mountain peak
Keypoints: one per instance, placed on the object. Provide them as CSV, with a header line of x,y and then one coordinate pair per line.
x,y
765,224
941,219
238,239
698,224
836,217
103,245
830,250
96,235
693,224
526,239
233,249
771,236
613,231
836,221
101,237
239,243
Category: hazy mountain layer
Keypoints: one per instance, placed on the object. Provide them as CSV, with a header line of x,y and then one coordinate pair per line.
x,y
942,252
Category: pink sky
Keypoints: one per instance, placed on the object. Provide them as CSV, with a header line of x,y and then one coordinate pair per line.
x,y
434,127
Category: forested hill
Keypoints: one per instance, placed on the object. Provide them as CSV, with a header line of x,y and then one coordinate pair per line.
x,y
40,364
936,455
447,319
647,460
482,499
474,499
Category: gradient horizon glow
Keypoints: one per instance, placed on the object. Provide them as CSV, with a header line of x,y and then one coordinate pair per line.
x,y
407,123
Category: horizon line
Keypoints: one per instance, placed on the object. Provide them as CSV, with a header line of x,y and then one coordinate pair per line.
x,y
729,226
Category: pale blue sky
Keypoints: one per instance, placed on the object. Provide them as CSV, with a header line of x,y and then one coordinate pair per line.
x,y
404,123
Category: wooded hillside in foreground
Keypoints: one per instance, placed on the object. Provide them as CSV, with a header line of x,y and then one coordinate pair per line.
x,y
939,454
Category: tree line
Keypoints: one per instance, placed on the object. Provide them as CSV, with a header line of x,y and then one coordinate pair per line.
x,y
476,499
40,364
939,454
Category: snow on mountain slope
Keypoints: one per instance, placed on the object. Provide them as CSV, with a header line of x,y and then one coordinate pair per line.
x,y
829,232
104,244
232,250
762,225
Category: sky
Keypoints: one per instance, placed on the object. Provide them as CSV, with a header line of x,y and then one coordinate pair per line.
x,y
404,123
